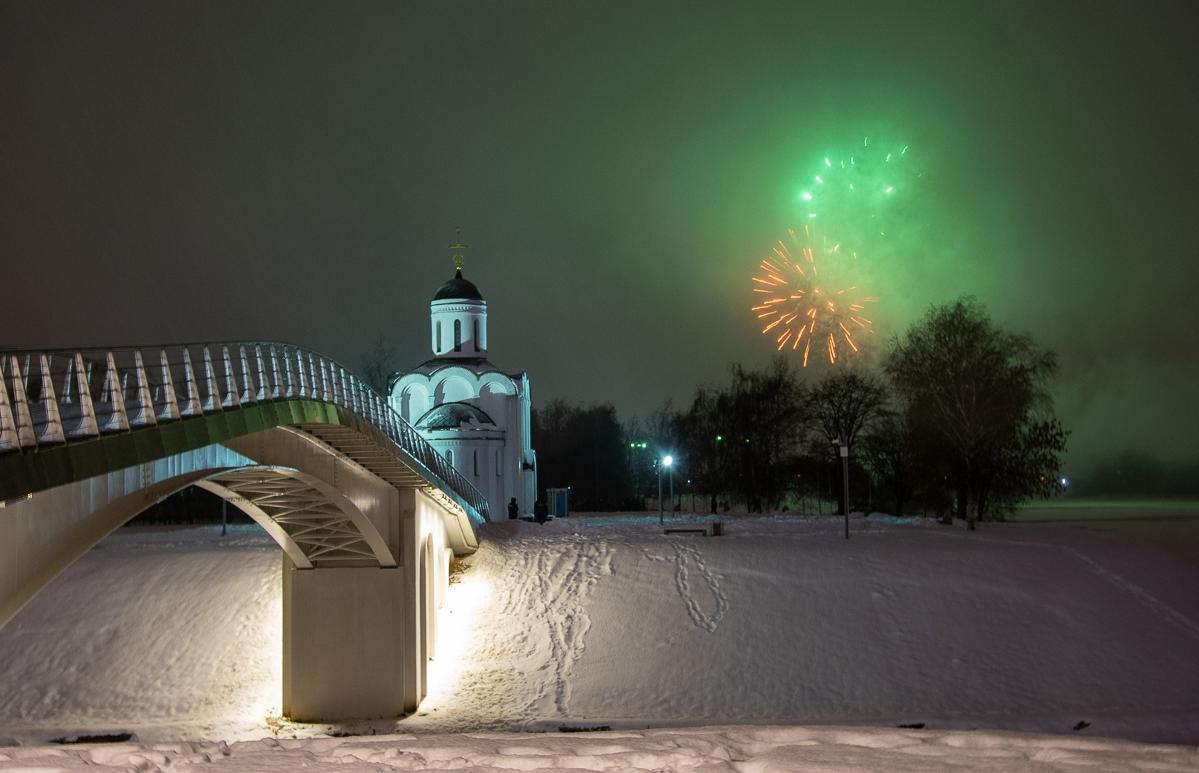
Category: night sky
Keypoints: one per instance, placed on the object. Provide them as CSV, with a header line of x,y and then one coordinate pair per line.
x,y
293,171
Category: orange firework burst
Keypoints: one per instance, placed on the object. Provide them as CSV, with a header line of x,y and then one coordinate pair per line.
x,y
798,308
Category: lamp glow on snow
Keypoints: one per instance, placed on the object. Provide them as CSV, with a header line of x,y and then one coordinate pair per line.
x,y
457,631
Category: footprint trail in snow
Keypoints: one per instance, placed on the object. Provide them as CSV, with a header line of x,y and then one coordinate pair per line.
x,y
686,556
551,583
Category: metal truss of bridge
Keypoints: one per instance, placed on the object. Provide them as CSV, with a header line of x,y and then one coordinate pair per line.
x,y
366,512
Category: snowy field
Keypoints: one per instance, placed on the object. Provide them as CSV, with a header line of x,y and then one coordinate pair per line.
x,y
604,622
1096,508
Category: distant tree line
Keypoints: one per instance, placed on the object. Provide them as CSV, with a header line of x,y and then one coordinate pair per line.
x,y
957,421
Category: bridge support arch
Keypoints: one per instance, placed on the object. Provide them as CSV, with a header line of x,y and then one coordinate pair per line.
x,y
366,511
361,574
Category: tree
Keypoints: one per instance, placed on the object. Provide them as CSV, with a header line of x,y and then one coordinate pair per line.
x,y
582,447
842,405
890,452
1026,467
740,438
982,392
664,430
702,436
378,365
763,413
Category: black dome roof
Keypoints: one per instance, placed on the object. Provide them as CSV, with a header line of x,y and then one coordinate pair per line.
x,y
458,288
453,416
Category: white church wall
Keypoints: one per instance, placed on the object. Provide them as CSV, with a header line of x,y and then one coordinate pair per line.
x,y
496,393
462,453
414,401
453,389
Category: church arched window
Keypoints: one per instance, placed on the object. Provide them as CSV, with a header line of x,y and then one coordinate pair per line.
x,y
476,335
476,453
438,348
449,456
457,335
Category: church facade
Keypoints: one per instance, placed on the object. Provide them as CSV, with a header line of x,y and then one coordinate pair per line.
x,y
472,412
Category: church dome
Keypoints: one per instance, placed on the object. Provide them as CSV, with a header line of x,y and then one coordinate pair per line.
x,y
454,416
458,288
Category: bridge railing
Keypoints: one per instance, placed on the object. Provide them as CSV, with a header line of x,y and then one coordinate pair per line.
x,y
54,397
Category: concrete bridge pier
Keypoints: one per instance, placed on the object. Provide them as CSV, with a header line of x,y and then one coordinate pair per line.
x,y
357,640
343,643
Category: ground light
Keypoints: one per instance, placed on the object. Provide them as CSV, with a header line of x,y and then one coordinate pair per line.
x,y
457,627
268,702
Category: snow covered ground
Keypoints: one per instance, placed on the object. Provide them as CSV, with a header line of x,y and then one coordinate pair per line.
x,y
742,749
170,633
604,621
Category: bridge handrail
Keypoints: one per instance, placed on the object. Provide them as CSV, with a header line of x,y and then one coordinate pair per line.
x,y
55,396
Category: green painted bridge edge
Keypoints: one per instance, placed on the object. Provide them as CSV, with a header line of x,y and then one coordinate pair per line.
x,y
30,471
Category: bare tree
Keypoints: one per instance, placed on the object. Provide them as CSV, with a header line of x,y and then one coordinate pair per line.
x,y
890,452
378,365
763,411
583,447
842,405
984,393
702,437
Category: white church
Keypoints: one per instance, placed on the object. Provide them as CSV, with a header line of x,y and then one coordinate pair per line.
x,y
475,414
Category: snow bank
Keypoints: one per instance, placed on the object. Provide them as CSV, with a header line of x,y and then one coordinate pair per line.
x,y
712,750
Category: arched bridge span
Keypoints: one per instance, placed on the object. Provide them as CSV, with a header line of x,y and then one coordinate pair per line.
x,y
89,438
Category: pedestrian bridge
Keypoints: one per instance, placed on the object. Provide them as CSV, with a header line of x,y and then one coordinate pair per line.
x,y
368,515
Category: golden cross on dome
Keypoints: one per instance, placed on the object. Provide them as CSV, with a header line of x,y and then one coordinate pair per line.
x,y
458,247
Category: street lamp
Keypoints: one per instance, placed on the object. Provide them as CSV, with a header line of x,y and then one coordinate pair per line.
x,y
667,461
845,480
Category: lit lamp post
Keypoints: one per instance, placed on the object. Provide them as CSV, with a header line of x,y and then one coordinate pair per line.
x,y
667,461
845,481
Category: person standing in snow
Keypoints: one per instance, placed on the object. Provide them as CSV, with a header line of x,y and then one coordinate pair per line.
x,y
540,511
513,509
